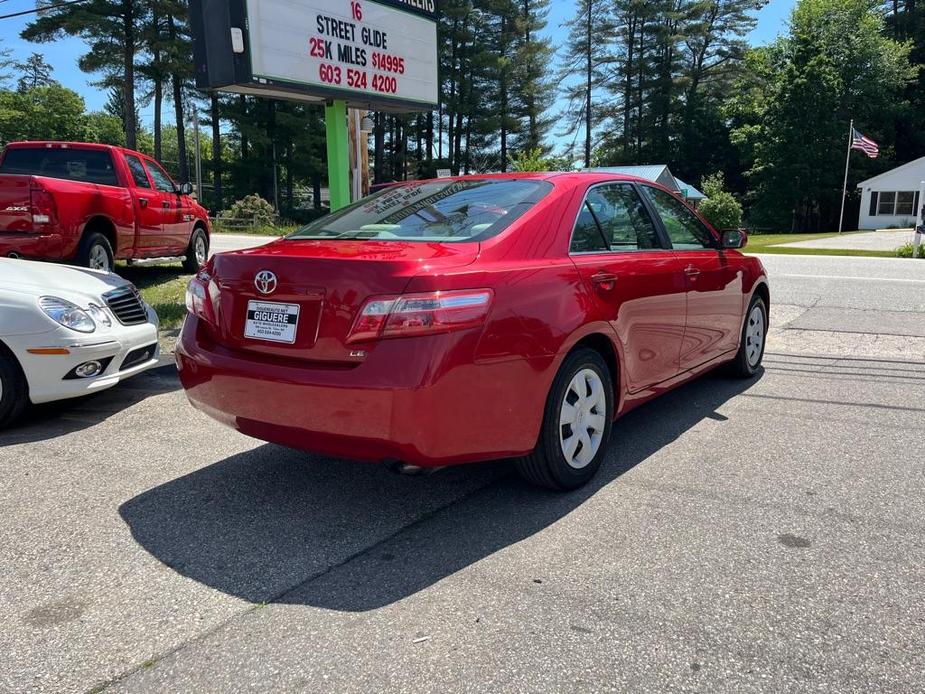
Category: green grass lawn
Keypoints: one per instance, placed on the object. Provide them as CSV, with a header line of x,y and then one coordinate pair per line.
x,y
766,243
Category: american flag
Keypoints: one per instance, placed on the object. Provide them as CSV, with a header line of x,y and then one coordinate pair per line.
x,y
860,141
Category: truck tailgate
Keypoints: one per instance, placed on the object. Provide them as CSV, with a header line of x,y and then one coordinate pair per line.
x,y
15,203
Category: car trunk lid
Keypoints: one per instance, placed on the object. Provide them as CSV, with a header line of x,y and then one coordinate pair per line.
x,y
317,288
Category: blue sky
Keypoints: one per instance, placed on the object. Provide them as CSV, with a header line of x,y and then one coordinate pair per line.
x,y
63,54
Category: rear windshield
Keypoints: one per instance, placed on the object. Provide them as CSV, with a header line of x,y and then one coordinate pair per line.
x,y
87,165
444,211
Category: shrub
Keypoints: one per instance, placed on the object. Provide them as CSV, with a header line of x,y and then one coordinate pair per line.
x,y
905,251
721,209
252,207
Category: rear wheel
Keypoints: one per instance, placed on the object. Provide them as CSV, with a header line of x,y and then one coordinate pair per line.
x,y
14,395
754,334
95,252
197,252
576,424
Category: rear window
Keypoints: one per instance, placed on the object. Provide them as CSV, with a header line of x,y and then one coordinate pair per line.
x,y
86,165
442,211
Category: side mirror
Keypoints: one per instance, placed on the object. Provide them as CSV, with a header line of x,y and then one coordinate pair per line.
x,y
185,189
734,238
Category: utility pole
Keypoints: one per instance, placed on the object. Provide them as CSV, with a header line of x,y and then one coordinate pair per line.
x,y
919,222
198,158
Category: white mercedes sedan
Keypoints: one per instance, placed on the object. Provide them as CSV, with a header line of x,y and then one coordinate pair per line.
x,y
68,331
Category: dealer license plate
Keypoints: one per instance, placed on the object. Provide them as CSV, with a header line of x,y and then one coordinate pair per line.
x,y
268,320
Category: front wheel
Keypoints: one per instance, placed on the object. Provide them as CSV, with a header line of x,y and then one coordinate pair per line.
x,y
13,391
576,424
754,335
197,252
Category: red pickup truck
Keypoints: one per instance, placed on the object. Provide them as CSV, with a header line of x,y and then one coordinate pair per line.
x,y
90,204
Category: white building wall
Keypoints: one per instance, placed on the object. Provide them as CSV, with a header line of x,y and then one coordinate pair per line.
x,y
905,178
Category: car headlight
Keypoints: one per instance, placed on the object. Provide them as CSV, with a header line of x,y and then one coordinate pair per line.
x,y
67,314
99,316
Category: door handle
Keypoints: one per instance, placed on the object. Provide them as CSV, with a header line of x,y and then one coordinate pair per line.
x,y
164,203
604,280
143,202
691,271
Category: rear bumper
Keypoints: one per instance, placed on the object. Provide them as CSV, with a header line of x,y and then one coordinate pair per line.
x,y
407,401
33,245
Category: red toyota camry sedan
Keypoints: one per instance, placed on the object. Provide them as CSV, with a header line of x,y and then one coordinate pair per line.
x,y
458,320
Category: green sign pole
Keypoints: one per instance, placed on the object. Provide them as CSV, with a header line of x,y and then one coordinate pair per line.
x,y
338,141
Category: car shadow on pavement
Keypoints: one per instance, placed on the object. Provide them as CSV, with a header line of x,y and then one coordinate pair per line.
x,y
276,525
54,419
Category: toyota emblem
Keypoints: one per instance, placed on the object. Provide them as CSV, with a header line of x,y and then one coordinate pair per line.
x,y
265,282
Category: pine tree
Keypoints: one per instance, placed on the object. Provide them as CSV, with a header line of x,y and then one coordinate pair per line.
x,y
35,72
111,28
535,90
584,69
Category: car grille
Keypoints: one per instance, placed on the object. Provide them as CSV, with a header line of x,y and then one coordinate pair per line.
x,y
138,356
126,305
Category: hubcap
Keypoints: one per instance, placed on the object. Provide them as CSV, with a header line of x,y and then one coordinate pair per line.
x,y
754,335
99,258
200,250
582,418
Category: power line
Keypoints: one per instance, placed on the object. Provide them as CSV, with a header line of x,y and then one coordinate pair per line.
x,y
39,9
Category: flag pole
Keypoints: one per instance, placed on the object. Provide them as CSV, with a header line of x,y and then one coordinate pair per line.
x,y
844,187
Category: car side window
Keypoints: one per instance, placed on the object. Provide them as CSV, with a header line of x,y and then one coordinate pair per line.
x,y
614,218
685,231
161,180
588,237
138,171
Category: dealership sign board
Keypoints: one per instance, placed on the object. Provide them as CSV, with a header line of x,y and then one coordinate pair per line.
x,y
378,54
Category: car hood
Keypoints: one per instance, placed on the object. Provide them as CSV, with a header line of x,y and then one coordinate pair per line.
x,y
31,277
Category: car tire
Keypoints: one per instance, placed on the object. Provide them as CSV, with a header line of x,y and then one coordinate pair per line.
x,y
747,360
550,464
95,252
14,395
197,252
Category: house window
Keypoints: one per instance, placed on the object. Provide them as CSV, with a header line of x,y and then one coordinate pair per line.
x,y
887,203
904,203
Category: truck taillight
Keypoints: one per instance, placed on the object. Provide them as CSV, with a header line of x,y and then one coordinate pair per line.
x,y
420,314
44,210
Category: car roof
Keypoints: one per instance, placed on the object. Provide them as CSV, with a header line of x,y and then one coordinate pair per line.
x,y
553,176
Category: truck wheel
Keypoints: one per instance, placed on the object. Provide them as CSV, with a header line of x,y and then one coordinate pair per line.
x,y
13,392
197,253
95,252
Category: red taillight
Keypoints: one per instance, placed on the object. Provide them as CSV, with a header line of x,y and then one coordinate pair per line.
x,y
44,210
198,296
420,314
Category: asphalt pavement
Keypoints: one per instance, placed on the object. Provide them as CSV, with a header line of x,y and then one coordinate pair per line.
x,y
765,535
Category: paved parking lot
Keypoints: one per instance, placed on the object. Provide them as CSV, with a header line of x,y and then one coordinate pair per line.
x,y
742,536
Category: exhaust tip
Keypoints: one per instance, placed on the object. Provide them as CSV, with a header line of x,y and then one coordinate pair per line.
x,y
402,468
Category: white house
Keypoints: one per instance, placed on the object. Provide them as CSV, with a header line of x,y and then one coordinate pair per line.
x,y
891,199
